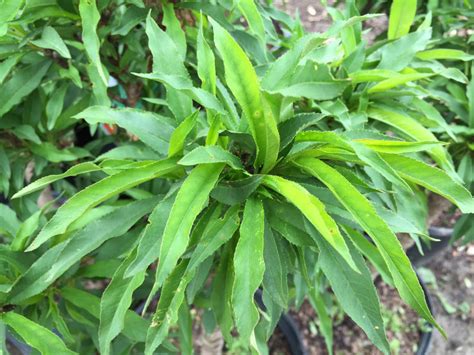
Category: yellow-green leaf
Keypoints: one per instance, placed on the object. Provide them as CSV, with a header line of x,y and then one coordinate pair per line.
x,y
402,14
244,84
314,210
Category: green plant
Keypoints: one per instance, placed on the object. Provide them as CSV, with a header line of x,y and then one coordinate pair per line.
x,y
452,23
257,173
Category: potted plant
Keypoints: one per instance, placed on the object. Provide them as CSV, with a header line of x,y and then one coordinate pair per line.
x,y
260,176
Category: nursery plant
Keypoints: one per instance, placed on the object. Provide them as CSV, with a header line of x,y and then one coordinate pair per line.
x,y
262,163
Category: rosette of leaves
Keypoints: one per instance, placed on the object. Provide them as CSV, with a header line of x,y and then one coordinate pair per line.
x,y
275,178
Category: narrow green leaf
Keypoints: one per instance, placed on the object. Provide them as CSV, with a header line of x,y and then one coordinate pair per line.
x,y
355,291
398,54
58,259
397,147
90,17
178,137
412,129
35,335
249,268
135,326
254,19
275,277
7,65
173,29
21,84
151,129
190,200
171,298
315,90
206,63
149,244
444,53
290,128
9,222
221,296
209,155
93,195
402,14
313,209
433,179
55,104
397,80
387,243
184,86
52,40
365,154
82,168
237,191
371,252
218,233
115,302
244,84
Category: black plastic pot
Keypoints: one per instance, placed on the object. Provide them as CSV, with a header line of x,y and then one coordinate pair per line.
x,y
443,234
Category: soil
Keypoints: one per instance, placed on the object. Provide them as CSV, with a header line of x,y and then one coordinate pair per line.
x,y
454,271
402,325
315,17
278,345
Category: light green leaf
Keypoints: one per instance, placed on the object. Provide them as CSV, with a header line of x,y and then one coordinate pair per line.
x,y
217,233
355,291
151,129
90,17
313,209
316,90
149,244
365,154
55,105
361,209
444,53
21,84
402,14
206,63
211,154
115,302
171,298
254,19
275,277
178,137
412,129
93,195
173,29
249,268
135,326
397,147
7,65
58,259
398,54
35,335
78,169
244,84
433,179
9,222
370,251
397,80
27,228
52,40
27,133
190,200
184,86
